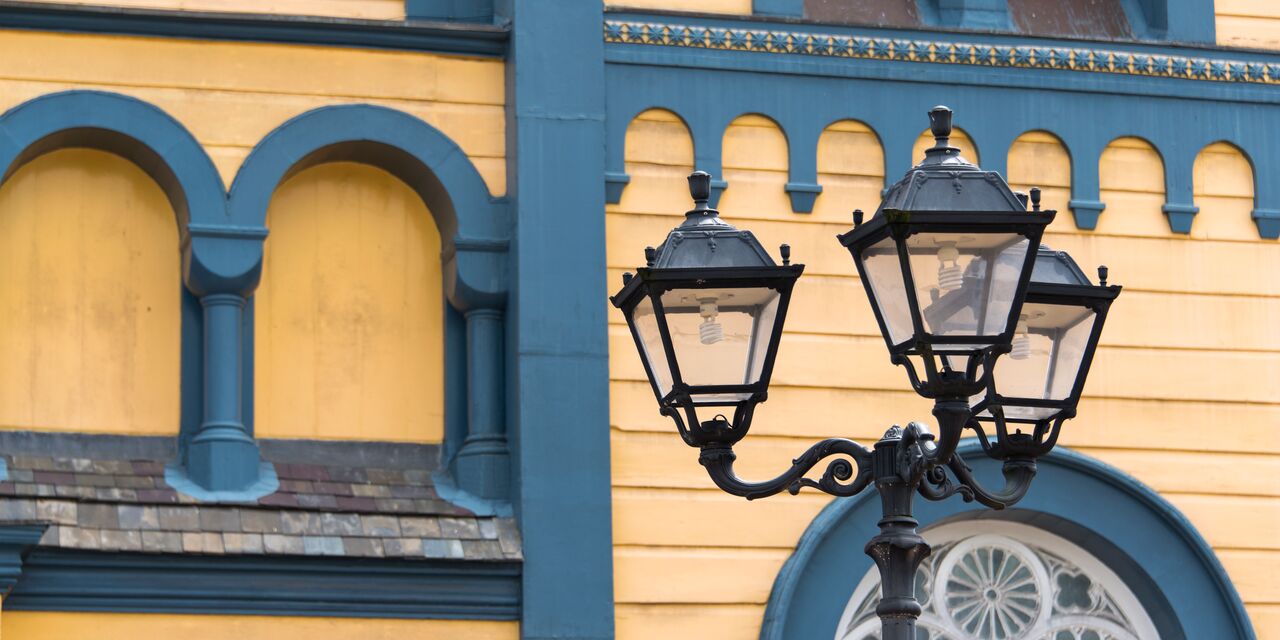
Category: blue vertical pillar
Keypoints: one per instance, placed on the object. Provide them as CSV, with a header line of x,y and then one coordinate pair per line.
x,y
559,374
222,456
483,465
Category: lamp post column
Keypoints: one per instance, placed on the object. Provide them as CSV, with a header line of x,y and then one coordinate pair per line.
x,y
897,550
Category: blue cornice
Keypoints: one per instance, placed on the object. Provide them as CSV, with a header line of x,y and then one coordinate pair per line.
x,y
468,39
795,42
15,541
58,580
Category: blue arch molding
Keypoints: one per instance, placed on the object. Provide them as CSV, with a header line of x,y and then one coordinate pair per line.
x,y
804,77
222,242
813,587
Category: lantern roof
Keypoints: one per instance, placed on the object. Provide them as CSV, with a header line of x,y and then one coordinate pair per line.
x,y
946,181
705,240
1057,267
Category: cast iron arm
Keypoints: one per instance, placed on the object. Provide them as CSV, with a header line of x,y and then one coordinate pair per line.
x,y
841,478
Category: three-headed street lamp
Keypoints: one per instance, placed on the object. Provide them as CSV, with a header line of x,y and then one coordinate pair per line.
x,y
996,329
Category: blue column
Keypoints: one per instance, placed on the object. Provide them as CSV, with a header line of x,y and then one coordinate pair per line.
x,y
222,456
483,465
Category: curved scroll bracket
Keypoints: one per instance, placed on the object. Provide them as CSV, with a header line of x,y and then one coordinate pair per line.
x,y
1018,474
842,477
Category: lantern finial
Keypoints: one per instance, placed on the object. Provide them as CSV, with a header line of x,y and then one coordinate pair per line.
x,y
1035,198
700,189
940,124
1102,275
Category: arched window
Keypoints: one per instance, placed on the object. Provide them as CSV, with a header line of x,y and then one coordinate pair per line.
x,y
997,580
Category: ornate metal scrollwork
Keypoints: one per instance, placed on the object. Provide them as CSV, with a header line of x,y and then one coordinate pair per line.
x,y
843,476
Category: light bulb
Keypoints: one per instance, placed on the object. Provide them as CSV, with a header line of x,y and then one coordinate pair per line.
x,y
950,276
1022,341
710,331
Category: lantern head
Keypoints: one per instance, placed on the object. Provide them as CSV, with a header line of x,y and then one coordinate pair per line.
x,y
1039,382
946,261
706,313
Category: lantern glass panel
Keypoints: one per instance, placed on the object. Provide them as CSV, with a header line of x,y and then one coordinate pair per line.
x,y
1048,349
883,271
966,283
645,322
721,336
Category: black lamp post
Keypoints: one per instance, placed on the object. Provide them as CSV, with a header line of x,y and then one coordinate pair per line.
x,y
962,291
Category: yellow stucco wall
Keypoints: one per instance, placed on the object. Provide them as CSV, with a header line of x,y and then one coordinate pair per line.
x,y
31,625
90,297
230,95
349,315
1181,394
360,9
1248,23
93,343
732,7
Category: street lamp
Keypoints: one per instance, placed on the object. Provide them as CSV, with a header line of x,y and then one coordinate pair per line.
x,y
963,293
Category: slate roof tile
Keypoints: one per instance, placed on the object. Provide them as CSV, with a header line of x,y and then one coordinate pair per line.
x,y
122,504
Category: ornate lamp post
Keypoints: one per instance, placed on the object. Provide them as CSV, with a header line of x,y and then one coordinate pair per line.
x,y
963,293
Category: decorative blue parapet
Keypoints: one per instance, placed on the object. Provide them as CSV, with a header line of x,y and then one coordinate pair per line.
x,y
708,71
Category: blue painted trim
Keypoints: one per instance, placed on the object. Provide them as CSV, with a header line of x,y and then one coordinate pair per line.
x,y
1268,221
468,39
15,541
449,490
558,333
61,580
4,470
813,587
1180,216
614,183
803,195
451,10
780,8
266,484
1086,212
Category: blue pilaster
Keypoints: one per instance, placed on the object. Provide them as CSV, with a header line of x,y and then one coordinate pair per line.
x,y
483,465
560,378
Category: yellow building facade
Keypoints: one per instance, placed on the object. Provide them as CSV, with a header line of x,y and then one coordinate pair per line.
x,y
414,212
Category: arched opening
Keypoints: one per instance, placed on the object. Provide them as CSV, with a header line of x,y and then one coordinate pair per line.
x,y
1001,579
1131,183
1125,525
754,163
850,170
959,139
1040,159
349,314
1224,191
91,298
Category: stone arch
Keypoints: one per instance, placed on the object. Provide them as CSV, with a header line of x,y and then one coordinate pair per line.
x,y
1131,184
755,160
813,587
1225,191
1039,158
850,168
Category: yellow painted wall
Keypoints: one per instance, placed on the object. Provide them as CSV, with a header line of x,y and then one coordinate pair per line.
x,y
360,9
33,625
1248,23
1190,355
90,319
350,313
230,95
734,7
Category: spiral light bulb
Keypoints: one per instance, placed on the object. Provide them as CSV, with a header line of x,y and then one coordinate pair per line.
x,y
710,331
1022,341
950,275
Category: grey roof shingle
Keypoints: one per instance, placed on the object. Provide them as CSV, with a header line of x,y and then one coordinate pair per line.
x,y
124,504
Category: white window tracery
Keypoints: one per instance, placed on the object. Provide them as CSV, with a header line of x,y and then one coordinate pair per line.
x,y
997,580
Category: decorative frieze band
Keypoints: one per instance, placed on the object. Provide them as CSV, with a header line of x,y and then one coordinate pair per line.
x,y
937,51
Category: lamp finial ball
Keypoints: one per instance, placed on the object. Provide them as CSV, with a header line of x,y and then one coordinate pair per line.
x,y
940,121
700,186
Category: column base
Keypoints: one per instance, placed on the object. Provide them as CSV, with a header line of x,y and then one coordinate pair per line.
x,y
223,464
483,468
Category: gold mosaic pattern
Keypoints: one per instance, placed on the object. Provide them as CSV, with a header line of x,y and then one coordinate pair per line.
x,y
991,55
